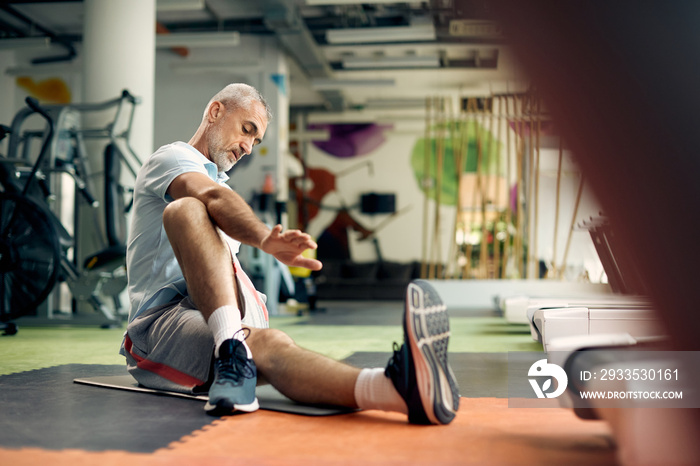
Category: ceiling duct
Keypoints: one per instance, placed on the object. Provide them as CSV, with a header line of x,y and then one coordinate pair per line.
x,y
284,20
70,50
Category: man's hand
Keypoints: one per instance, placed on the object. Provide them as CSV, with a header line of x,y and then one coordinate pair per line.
x,y
287,247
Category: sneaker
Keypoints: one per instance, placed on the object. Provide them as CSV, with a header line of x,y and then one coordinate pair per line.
x,y
234,383
419,368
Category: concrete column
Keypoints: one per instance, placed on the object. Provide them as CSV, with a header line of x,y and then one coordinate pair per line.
x,y
118,53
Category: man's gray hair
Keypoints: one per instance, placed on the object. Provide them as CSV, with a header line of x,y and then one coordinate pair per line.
x,y
239,95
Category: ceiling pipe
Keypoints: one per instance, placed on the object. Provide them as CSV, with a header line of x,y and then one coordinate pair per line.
x,y
54,38
283,18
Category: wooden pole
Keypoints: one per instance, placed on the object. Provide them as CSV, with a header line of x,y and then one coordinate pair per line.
x,y
536,206
478,186
441,262
556,211
484,251
472,108
571,227
427,151
530,184
466,221
497,200
520,175
457,154
439,165
509,216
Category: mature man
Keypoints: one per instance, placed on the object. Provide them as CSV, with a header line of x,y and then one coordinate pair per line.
x,y
196,323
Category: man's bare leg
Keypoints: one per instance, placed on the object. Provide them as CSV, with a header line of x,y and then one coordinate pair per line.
x,y
418,379
300,374
203,256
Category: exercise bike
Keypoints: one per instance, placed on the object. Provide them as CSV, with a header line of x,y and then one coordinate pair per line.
x,y
34,244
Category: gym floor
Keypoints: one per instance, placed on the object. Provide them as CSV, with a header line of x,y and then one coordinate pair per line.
x,y
485,431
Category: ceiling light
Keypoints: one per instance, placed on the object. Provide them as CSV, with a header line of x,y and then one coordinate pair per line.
x,y
211,39
419,33
216,68
326,84
393,104
343,2
413,61
179,5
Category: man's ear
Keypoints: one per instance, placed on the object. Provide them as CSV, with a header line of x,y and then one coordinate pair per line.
x,y
216,111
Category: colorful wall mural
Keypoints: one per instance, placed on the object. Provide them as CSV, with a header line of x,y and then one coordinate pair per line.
x,y
50,90
351,140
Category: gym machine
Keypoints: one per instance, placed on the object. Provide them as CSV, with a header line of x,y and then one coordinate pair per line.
x,y
35,246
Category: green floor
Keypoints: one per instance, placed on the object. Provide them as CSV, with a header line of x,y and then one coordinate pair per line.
x,y
39,347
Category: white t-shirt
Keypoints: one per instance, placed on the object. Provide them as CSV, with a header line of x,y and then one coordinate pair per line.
x,y
154,275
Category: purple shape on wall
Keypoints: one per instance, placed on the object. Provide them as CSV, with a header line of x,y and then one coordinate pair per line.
x,y
351,140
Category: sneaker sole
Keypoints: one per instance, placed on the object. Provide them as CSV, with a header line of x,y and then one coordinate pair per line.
x,y
223,407
427,329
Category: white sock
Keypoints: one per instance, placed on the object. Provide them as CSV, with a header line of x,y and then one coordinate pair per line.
x,y
224,323
374,390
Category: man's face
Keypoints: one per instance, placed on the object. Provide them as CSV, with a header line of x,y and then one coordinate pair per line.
x,y
235,133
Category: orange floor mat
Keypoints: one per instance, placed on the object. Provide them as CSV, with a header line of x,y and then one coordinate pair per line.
x,y
485,431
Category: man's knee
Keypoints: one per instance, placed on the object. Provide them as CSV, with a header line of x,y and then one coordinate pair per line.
x,y
267,342
183,211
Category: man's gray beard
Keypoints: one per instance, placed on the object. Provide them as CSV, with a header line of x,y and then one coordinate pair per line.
x,y
219,156
222,161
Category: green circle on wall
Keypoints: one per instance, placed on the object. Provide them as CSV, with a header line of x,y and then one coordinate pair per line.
x,y
458,137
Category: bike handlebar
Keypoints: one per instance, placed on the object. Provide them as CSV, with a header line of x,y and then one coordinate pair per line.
x,y
34,105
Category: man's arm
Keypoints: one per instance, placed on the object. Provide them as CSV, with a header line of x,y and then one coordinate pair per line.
x,y
233,215
227,208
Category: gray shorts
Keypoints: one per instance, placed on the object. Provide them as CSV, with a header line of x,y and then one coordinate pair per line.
x,y
171,347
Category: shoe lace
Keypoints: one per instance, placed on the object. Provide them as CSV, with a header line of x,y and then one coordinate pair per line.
x,y
238,366
395,362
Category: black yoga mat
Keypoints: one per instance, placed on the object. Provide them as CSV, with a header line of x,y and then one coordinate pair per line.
x,y
44,408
